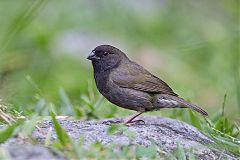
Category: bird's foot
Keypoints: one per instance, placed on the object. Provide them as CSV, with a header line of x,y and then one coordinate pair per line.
x,y
128,123
109,122
136,122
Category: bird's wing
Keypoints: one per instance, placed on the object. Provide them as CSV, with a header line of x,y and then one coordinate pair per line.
x,y
136,77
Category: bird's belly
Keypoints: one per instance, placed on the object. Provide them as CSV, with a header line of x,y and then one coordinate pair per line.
x,y
128,98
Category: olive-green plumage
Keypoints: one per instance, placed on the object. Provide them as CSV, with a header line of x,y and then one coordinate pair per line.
x,y
128,85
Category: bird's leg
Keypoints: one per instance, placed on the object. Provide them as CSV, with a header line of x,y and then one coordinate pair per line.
x,y
129,120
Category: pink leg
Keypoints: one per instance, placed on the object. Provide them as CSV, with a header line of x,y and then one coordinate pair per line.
x,y
129,120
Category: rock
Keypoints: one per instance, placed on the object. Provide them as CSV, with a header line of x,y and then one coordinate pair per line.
x,y
163,132
31,152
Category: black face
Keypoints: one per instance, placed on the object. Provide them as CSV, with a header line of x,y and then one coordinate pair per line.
x,y
105,57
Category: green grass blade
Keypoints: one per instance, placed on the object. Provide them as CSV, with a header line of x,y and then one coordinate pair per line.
x,y
180,152
10,131
63,137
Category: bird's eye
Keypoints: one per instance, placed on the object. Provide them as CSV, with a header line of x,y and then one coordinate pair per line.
x,y
105,53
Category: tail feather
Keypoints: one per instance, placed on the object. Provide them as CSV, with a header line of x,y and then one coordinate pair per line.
x,y
184,104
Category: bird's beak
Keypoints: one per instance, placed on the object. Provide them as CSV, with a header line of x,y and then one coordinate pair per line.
x,y
92,56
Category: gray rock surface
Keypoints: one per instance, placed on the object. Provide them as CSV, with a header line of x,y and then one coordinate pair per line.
x,y
163,132
32,152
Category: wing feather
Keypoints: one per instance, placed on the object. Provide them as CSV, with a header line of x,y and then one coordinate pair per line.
x,y
133,76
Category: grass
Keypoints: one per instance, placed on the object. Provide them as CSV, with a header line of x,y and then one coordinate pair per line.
x,y
21,20
194,51
225,133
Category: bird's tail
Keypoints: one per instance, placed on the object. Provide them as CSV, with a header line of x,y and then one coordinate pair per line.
x,y
168,101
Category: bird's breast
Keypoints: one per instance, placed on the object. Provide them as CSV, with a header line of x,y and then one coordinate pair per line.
x,y
101,81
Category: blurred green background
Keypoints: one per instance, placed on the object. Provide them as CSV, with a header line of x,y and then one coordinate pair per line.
x,y
192,45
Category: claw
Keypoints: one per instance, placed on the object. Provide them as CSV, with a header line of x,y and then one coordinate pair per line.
x,y
136,122
109,122
139,122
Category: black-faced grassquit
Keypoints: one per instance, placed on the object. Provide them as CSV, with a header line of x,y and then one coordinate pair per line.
x,y
129,85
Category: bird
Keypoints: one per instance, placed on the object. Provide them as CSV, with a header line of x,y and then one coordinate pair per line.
x,y
127,84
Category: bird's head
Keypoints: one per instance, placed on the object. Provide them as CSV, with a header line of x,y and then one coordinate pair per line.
x,y
106,57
